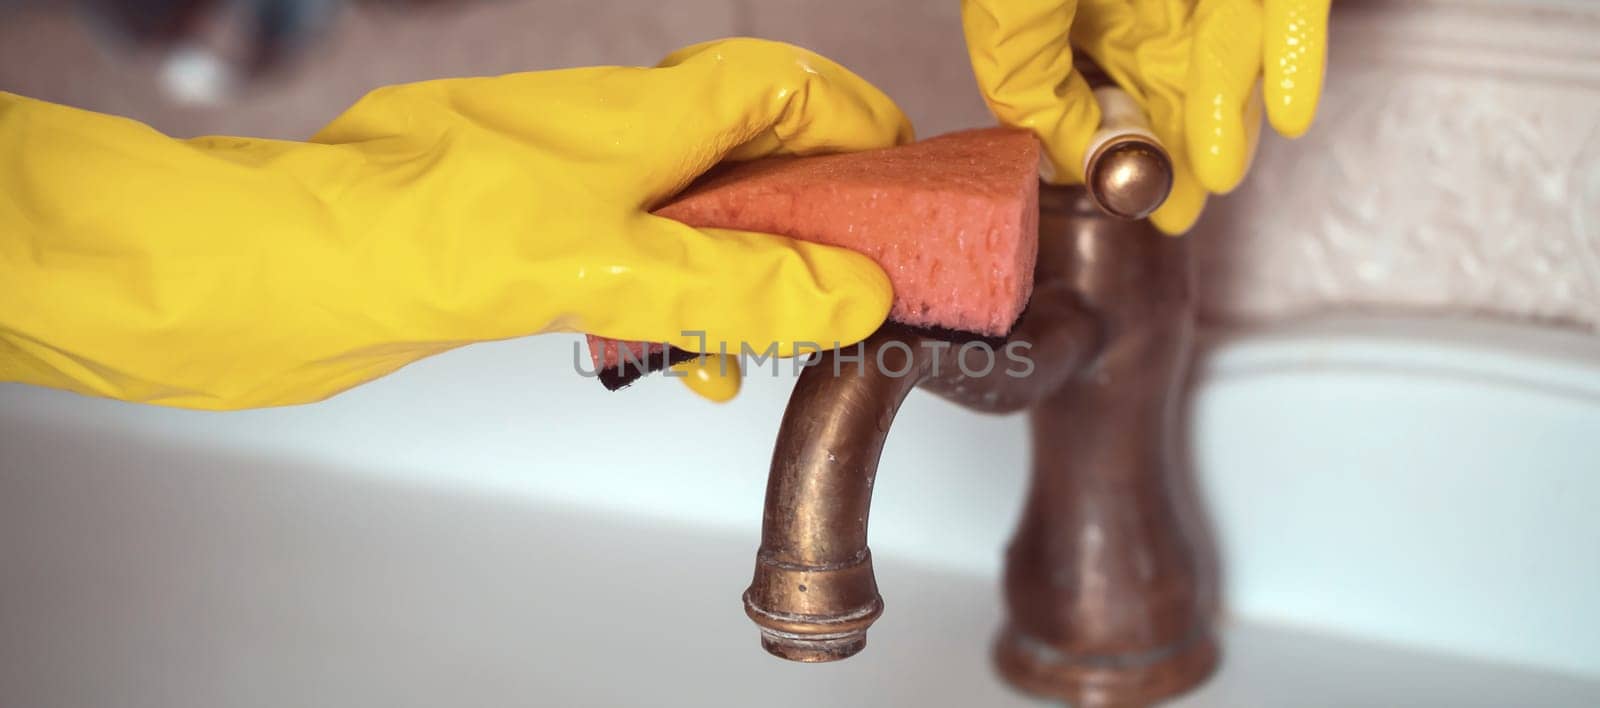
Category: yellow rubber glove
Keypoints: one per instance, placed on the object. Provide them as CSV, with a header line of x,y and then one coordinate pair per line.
x,y
714,377
223,273
1192,64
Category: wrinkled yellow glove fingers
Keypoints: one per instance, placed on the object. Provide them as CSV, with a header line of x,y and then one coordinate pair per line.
x,y
785,100
1023,62
1294,50
1222,76
1198,68
735,287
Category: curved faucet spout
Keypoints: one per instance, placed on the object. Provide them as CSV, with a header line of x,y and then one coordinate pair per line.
x,y
814,594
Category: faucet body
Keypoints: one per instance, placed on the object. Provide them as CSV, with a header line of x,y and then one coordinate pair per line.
x,y
1108,588
1108,599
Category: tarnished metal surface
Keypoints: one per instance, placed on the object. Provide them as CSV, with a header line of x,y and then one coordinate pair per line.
x,y
1109,601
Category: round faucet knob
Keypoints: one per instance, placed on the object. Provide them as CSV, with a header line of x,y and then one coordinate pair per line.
x,y
1126,170
1129,178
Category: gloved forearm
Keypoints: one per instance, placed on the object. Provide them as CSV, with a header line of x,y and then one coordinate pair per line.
x,y
230,272
135,266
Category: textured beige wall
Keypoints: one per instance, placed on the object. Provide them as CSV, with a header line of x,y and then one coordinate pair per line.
x,y
1455,167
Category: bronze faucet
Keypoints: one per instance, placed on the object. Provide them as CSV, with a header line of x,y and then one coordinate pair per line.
x,y
1107,602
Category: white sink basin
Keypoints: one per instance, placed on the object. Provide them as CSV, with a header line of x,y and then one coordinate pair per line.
x,y
448,537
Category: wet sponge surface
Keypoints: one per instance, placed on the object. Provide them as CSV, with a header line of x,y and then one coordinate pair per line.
x,y
952,220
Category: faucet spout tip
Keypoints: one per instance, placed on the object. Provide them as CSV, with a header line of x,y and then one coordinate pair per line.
x,y
813,650
813,614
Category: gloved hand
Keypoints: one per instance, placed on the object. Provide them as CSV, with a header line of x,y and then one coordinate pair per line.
x,y
1192,64
225,273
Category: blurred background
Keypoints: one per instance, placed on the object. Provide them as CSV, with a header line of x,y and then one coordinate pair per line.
x,y
1395,420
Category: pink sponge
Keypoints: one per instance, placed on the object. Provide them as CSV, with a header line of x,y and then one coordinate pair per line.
x,y
953,220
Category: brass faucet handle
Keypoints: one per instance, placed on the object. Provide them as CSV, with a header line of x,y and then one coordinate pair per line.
x,y
1127,170
1130,177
